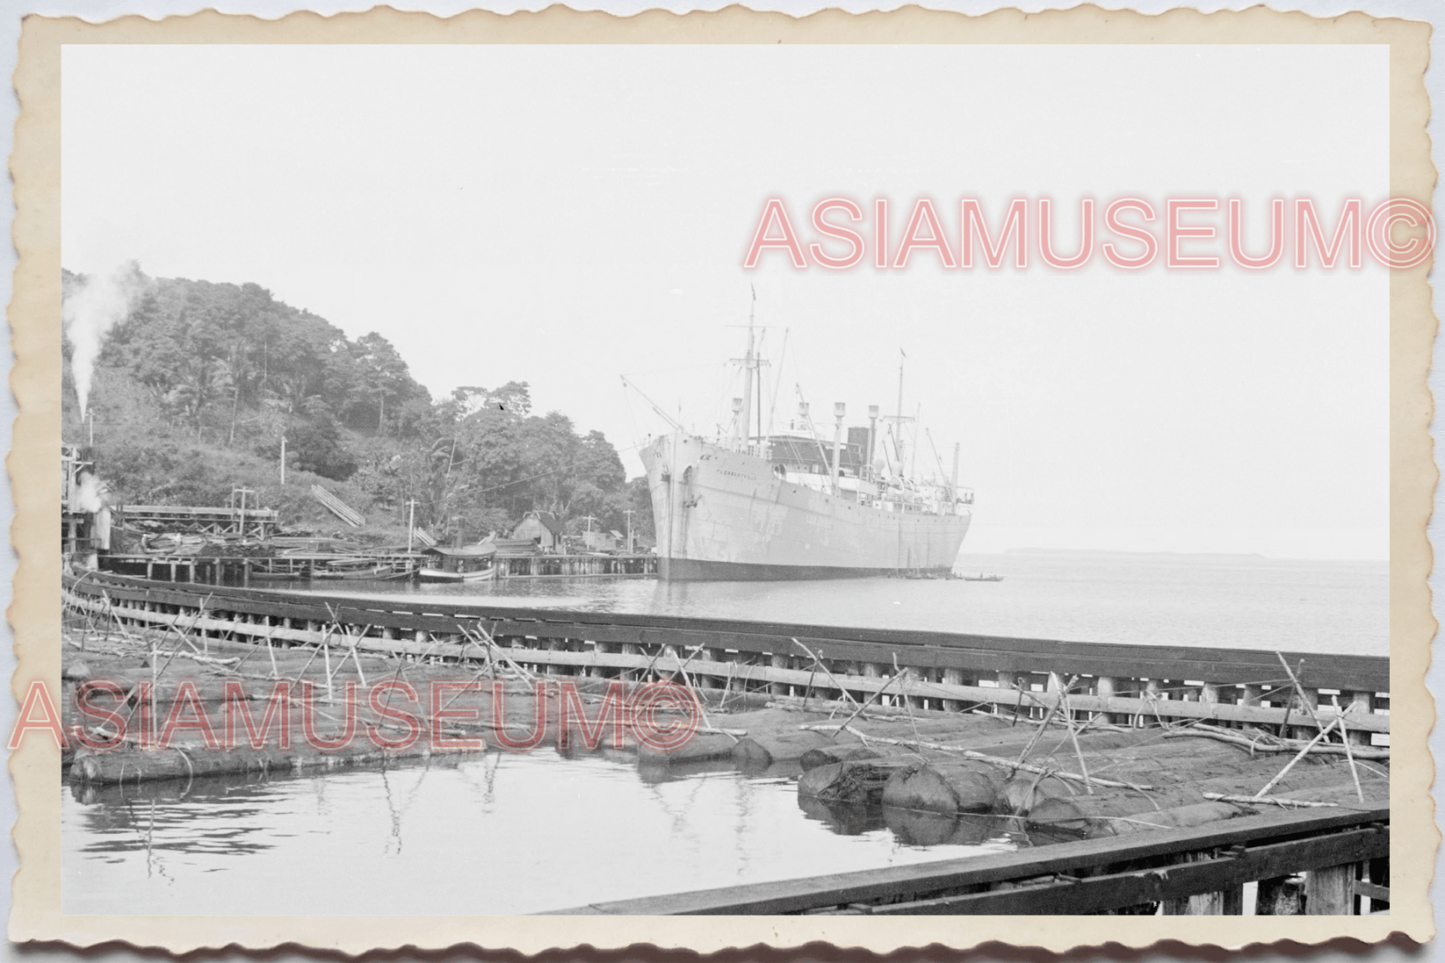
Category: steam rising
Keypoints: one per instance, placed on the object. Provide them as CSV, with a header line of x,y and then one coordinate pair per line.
x,y
88,493
89,311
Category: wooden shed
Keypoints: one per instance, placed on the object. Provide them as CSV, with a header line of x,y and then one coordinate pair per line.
x,y
543,529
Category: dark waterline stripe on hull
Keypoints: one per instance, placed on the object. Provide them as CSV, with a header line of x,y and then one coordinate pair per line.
x,y
694,570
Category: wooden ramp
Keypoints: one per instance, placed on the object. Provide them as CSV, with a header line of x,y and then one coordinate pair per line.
x,y
337,507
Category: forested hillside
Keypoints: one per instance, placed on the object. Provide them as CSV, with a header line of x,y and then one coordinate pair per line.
x,y
197,384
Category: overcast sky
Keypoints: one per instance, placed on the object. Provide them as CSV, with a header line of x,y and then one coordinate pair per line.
x,y
565,215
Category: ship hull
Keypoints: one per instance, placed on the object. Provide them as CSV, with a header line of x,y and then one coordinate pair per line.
x,y
721,514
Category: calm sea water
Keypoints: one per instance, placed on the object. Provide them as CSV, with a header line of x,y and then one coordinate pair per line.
x,y
529,833
1218,600
497,834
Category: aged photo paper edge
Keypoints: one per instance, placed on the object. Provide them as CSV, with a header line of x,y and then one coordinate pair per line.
x,y
36,333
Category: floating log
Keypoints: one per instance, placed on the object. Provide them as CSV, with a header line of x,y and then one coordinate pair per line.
x,y
844,818
765,748
1179,817
948,789
132,765
1025,790
859,781
915,828
701,747
836,752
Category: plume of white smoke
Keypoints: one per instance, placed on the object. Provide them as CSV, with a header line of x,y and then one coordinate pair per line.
x,y
88,496
89,311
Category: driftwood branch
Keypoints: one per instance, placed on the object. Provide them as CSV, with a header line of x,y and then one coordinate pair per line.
x,y
1279,745
981,757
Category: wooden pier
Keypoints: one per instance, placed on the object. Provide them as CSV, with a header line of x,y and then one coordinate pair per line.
x,y
1191,790
951,672
575,566
243,570
248,570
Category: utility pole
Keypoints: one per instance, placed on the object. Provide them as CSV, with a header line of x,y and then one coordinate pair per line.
x,y
92,427
283,459
240,512
410,523
629,513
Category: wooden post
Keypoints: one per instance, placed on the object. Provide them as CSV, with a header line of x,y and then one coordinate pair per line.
x,y
1361,704
778,662
1104,689
1307,731
1006,681
704,680
952,677
602,648
1279,896
1152,691
1378,871
1331,891
1229,902
922,675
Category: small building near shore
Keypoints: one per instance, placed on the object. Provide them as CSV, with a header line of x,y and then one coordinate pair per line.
x,y
600,541
543,529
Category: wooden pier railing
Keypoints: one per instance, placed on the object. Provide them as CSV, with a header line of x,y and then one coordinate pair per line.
x,y
950,672
1196,871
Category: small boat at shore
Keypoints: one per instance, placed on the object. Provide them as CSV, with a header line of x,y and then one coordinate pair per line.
x,y
439,575
277,576
362,570
471,563
981,577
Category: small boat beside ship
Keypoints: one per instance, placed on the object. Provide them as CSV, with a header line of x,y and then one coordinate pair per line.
x,y
793,504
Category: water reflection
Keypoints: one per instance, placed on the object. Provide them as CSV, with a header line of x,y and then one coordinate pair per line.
x,y
563,831
843,818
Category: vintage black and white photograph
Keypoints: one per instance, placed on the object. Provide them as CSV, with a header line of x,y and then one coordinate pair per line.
x,y
727,479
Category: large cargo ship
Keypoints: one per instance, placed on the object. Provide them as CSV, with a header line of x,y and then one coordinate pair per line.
x,y
794,504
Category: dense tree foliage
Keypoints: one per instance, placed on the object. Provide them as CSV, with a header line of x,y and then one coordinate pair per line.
x,y
197,368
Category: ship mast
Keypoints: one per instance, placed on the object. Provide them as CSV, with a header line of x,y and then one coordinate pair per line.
x,y
749,363
898,421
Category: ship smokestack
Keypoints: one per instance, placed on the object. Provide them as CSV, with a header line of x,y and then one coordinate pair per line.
x,y
838,412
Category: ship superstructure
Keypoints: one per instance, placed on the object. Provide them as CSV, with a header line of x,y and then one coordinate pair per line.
x,y
797,503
